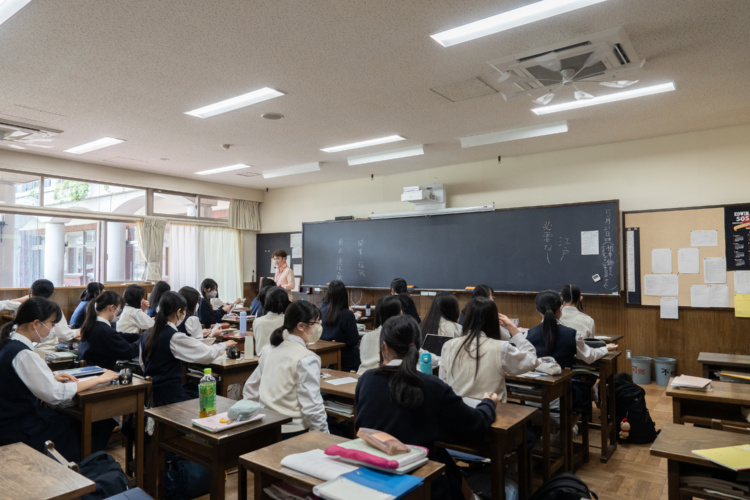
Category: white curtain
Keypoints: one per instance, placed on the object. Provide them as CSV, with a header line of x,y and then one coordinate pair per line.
x,y
244,214
150,236
183,257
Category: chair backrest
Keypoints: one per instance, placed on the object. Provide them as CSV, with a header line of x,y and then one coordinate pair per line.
x,y
737,427
50,451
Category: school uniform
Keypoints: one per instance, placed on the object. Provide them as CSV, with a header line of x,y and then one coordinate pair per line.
x,y
191,327
133,320
410,308
164,365
104,346
569,346
207,315
256,308
26,380
369,351
263,327
344,330
61,332
449,328
79,315
577,320
9,305
497,358
152,310
287,380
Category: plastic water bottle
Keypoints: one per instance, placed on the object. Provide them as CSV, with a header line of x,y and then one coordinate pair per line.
x,y
243,323
425,363
367,310
207,394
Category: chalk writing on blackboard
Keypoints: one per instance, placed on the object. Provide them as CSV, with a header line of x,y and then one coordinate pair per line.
x,y
608,254
564,244
360,257
340,261
547,229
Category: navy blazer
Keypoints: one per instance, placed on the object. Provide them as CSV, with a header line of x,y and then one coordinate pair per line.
x,y
345,330
207,315
104,346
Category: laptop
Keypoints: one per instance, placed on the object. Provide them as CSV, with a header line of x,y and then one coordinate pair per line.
x,y
434,344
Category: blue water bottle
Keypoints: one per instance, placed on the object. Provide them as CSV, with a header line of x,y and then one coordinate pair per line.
x,y
425,363
243,323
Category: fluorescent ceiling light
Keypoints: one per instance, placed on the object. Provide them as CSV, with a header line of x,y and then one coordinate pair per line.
x,y
386,155
219,170
14,146
297,169
440,211
104,142
238,102
512,19
617,96
9,7
364,144
515,134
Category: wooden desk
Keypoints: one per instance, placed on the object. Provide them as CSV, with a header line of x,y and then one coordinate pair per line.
x,y
266,466
611,339
329,352
607,367
174,432
546,390
109,401
698,407
714,361
345,391
233,371
27,473
676,442
235,335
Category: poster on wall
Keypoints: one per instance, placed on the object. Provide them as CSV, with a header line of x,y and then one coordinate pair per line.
x,y
737,237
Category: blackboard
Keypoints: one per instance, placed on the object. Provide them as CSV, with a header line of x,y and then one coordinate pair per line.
x,y
265,246
514,250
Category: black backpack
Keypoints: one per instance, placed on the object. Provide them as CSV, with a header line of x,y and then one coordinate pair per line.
x,y
104,470
563,486
630,401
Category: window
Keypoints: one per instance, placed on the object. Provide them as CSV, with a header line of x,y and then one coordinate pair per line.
x,y
123,258
19,189
66,193
175,204
213,208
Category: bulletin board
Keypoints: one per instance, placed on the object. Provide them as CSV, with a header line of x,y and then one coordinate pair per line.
x,y
673,229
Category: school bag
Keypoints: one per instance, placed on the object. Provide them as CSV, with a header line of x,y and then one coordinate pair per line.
x,y
104,470
563,486
630,401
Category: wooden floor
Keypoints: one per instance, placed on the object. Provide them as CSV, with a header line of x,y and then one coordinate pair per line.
x,y
631,473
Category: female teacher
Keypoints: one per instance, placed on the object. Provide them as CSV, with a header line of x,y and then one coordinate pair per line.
x,y
284,275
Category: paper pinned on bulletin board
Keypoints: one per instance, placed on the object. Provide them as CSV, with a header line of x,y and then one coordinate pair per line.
x,y
742,282
296,252
688,261
742,305
295,240
661,285
709,295
589,242
668,308
708,238
715,270
661,261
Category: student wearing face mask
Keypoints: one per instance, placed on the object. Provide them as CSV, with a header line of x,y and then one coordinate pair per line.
x,y
61,332
206,313
27,379
165,348
287,379
101,345
192,325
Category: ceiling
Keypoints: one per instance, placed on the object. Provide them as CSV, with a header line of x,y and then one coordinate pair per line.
x,y
351,71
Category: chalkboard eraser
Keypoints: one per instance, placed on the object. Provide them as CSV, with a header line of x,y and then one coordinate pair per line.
x,y
469,288
344,217
409,286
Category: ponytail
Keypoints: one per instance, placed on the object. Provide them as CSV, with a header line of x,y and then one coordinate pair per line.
x,y
298,312
170,303
401,334
547,304
35,308
105,299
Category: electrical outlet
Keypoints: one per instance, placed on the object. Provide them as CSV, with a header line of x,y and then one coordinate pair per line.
x,y
628,353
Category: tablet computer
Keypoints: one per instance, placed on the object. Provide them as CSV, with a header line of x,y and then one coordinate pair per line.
x,y
434,343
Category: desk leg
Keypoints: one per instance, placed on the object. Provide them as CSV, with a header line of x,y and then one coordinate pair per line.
x,y
497,455
546,439
566,432
673,480
676,411
86,431
224,389
260,481
524,467
139,432
160,459
242,483
338,359
218,474
607,410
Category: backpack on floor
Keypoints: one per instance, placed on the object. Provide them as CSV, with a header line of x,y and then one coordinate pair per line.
x,y
630,401
563,486
104,470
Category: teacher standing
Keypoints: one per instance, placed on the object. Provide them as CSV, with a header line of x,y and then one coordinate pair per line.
x,y
284,275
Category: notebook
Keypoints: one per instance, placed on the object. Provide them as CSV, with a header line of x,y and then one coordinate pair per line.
x,y
733,457
434,343
315,463
85,371
366,484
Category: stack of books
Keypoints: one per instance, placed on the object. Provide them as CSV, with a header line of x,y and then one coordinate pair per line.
x,y
691,383
343,409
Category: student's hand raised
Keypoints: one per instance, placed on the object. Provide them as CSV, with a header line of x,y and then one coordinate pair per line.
x,y
506,323
65,377
491,396
144,304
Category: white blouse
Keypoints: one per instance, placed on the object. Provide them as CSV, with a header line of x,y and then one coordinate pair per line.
x,y
580,322
36,375
134,320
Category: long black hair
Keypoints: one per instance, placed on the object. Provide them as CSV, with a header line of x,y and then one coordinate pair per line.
x,y
170,303
159,288
571,294
481,317
133,296
208,284
35,308
387,307
401,334
301,311
338,300
445,306
91,291
547,304
277,300
266,285
105,299
192,297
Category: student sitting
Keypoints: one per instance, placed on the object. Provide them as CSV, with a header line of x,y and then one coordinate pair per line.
x,y
91,292
399,287
442,318
101,345
256,306
206,313
340,325
572,314
287,378
192,325
165,349
153,299
134,318
27,379
479,360
61,332
277,300
479,291
416,408
369,347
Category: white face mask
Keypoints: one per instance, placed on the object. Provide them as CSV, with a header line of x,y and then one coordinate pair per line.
x,y
179,321
197,306
116,317
49,333
315,332
213,294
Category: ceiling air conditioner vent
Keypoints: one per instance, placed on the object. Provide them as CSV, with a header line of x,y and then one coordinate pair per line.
x,y
27,135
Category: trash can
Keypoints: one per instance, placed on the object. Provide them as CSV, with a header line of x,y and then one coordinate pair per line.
x,y
641,369
664,368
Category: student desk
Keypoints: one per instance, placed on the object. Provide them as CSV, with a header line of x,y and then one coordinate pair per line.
x,y
610,339
235,335
235,320
607,368
174,432
544,390
507,433
109,401
714,361
27,473
266,466
699,407
345,391
329,352
676,442
233,371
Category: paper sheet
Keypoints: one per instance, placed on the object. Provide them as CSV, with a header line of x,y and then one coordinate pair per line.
x,y
297,269
295,240
590,242
661,285
630,256
709,295
341,381
661,261
742,305
715,270
296,252
668,308
742,282
688,261
719,296
708,238
699,296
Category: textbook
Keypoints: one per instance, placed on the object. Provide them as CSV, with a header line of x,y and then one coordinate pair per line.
x,y
691,383
85,371
315,463
366,484
736,458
